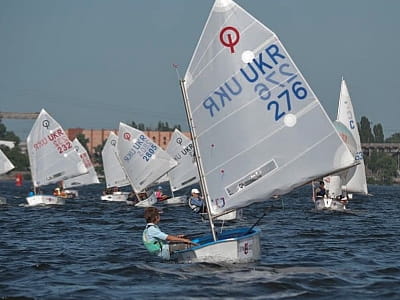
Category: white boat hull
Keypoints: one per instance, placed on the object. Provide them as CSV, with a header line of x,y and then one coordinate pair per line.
x,y
44,200
151,201
233,215
3,200
330,204
176,200
117,196
233,246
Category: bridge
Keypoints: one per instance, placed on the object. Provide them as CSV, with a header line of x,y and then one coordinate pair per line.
x,y
390,148
17,115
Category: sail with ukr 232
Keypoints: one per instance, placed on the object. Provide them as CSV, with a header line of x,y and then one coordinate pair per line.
x,y
356,182
52,157
85,179
260,129
114,173
185,173
143,160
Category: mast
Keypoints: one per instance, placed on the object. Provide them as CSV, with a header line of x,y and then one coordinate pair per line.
x,y
197,156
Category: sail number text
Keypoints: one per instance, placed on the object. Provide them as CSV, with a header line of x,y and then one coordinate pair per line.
x,y
57,138
274,81
143,147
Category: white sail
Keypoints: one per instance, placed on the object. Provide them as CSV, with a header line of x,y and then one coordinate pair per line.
x,y
5,164
185,173
357,182
260,129
51,154
85,179
113,172
143,160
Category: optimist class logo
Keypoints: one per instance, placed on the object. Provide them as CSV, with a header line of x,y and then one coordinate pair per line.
x,y
127,136
229,37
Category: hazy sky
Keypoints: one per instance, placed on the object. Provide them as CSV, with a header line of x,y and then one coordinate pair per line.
x,y
94,63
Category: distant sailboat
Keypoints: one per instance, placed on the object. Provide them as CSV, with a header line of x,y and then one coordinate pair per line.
x,y
253,119
114,174
5,166
81,180
185,173
354,180
142,160
52,158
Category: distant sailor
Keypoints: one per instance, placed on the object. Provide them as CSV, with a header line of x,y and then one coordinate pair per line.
x,y
320,191
156,241
196,203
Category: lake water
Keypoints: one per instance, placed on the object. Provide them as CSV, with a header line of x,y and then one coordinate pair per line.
x,y
91,249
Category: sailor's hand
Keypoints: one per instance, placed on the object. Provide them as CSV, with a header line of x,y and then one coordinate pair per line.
x,y
180,235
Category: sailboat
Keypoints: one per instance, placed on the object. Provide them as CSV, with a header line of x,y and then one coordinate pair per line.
x,y
81,180
257,127
354,180
5,166
185,173
52,158
143,161
114,174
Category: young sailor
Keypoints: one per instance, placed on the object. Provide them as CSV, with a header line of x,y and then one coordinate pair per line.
x,y
196,203
155,240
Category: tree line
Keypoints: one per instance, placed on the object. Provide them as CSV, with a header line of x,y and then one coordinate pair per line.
x,y
382,168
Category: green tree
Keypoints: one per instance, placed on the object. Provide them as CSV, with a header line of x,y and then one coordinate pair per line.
x,y
395,138
83,140
20,160
378,133
366,135
98,158
383,167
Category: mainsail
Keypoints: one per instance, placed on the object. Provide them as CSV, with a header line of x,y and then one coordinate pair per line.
x,y
356,182
143,160
113,172
259,128
51,154
5,164
85,179
185,173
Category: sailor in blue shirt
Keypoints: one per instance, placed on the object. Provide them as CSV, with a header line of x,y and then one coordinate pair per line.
x,y
196,203
154,239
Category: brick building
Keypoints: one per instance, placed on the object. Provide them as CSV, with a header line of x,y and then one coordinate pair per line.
x,y
98,136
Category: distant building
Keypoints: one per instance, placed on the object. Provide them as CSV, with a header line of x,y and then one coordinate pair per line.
x,y
9,144
98,136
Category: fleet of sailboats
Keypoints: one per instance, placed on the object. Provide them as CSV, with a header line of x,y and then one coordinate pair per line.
x,y
252,119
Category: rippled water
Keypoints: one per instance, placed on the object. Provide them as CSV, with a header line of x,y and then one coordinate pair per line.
x,y
91,249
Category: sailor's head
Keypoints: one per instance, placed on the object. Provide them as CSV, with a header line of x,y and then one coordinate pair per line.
x,y
195,192
151,214
159,188
321,183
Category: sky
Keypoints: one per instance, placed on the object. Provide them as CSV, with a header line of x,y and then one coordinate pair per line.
x,y
95,63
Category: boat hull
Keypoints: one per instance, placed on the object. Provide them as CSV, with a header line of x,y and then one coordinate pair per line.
x,y
330,204
44,200
231,216
232,246
178,200
150,201
3,200
117,196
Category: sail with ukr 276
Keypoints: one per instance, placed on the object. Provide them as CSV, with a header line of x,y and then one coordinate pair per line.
x,y
260,129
